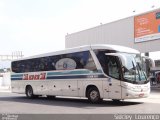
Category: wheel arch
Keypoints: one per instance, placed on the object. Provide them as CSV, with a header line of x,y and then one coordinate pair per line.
x,y
91,86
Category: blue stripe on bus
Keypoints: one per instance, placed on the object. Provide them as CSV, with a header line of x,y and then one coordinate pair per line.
x,y
75,77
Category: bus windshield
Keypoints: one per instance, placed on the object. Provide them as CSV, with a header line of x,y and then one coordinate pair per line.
x,y
132,68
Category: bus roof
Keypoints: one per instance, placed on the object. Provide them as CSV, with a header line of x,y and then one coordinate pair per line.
x,y
117,48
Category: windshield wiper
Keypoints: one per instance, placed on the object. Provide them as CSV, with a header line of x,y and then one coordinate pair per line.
x,y
142,72
135,71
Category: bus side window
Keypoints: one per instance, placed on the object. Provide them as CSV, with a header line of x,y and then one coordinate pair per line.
x,y
90,65
113,69
103,60
83,60
77,58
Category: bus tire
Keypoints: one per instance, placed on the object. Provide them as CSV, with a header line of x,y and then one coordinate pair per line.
x,y
29,92
93,95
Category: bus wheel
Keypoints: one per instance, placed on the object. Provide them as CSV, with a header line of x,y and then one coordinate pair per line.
x,y
29,92
93,95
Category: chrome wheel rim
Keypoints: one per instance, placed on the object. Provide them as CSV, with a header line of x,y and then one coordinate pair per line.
x,y
94,95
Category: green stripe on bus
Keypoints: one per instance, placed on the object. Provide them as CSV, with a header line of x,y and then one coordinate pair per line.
x,y
73,72
17,75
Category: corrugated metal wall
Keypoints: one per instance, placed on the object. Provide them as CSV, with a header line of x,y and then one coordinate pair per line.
x,y
118,33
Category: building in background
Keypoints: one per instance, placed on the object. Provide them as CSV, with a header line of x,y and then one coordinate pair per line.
x,y
141,32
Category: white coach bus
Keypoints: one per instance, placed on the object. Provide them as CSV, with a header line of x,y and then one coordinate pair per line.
x,y
96,72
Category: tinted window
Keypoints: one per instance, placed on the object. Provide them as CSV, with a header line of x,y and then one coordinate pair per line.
x,y
109,64
78,60
113,69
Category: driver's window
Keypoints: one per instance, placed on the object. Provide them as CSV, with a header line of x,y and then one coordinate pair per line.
x,y
113,69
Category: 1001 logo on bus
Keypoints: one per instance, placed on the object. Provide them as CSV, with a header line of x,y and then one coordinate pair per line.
x,y
40,76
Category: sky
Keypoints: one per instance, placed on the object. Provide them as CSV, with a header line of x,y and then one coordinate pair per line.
x,y
39,26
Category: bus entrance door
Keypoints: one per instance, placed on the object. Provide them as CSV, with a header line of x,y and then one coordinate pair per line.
x,y
114,88
114,77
